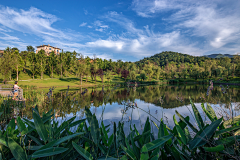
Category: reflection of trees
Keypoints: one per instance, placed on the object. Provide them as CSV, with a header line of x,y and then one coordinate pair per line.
x,y
72,101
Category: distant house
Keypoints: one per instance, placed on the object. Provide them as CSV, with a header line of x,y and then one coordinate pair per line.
x,y
48,49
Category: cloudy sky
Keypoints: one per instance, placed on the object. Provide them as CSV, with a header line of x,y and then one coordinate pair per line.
x,y
126,30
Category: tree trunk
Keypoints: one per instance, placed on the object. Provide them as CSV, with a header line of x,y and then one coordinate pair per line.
x,y
25,66
95,79
61,70
17,72
10,75
86,79
81,79
52,71
41,71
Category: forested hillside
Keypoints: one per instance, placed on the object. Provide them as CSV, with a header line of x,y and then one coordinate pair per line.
x,y
165,65
161,59
219,55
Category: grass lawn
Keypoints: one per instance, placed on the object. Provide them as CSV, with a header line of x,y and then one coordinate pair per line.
x,y
58,82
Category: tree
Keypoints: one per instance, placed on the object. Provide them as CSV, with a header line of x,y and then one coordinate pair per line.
x,y
41,60
94,71
125,74
24,55
132,75
17,61
30,49
33,61
52,62
143,75
7,63
108,75
61,61
101,74
119,70
81,70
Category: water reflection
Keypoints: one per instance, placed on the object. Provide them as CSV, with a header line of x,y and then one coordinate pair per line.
x,y
109,104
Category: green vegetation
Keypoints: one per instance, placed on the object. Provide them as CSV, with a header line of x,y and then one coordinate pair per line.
x,y
170,66
45,138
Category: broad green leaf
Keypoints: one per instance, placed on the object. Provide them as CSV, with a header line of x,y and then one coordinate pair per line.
x,y
229,141
144,153
48,152
109,158
197,115
40,126
147,128
21,126
76,122
210,116
181,134
231,121
161,129
16,150
124,158
158,142
64,125
48,145
11,127
187,122
214,149
237,132
211,111
29,123
187,133
34,148
129,153
206,134
63,139
3,140
82,151
93,123
36,140
227,130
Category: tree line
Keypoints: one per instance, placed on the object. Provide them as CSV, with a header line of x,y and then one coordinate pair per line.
x,y
165,65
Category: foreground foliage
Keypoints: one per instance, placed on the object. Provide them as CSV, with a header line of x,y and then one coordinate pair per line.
x,y
45,138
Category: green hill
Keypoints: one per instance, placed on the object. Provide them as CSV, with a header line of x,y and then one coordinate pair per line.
x,y
163,58
219,55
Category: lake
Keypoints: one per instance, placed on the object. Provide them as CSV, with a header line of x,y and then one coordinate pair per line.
x,y
132,104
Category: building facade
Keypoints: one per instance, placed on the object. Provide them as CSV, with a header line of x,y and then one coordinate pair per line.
x,y
48,49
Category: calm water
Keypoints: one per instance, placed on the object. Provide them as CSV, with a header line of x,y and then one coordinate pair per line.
x,y
112,104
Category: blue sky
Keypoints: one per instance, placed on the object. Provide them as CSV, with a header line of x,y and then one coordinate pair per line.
x,y
126,30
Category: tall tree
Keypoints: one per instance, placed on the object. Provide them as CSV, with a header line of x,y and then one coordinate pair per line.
x,y
30,49
94,71
41,59
33,63
6,65
17,61
61,61
52,62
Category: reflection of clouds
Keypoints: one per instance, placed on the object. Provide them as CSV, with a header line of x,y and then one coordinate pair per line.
x,y
112,113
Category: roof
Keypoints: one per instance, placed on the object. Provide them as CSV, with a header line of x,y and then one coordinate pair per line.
x,y
47,46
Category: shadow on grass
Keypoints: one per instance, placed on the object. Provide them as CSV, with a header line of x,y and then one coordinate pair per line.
x,y
69,79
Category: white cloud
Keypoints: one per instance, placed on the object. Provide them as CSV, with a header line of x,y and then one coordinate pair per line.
x,y
216,23
99,26
83,24
123,21
118,45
